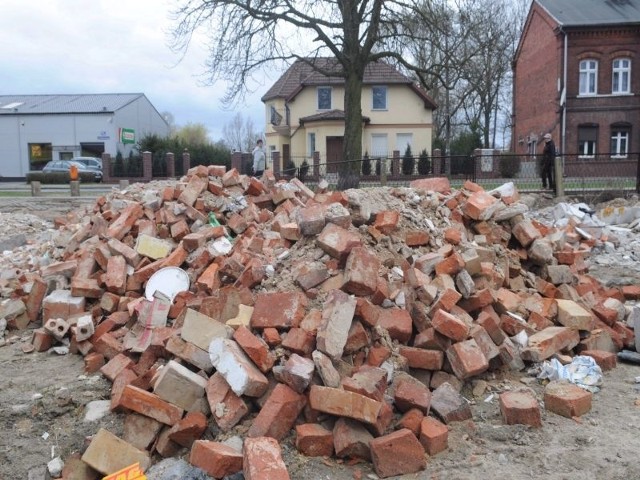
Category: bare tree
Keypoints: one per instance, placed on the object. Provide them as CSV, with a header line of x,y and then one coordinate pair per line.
x,y
245,36
240,134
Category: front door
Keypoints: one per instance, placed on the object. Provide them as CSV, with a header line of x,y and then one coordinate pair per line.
x,y
334,153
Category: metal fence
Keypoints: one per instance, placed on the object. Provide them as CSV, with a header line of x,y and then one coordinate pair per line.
x,y
581,176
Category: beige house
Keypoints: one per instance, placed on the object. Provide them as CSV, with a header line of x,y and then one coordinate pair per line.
x,y
304,113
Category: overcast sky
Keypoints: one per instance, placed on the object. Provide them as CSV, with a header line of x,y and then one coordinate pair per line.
x,y
111,46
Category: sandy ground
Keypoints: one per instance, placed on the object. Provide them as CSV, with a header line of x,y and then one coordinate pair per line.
x,y
43,398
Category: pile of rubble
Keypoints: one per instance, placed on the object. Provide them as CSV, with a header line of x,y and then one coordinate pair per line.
x,y
227,304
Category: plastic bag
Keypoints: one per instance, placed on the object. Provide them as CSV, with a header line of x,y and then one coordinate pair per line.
x,y
582,371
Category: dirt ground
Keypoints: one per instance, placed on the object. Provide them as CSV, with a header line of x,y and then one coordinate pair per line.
x,y
43,398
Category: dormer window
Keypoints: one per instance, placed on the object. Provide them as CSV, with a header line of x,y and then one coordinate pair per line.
x,y
324,98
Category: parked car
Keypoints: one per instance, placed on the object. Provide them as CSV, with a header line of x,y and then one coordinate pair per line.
x,y
92,162
65,166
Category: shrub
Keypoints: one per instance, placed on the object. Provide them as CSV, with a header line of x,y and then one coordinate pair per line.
x,y
58,178
366,164
408,162
424,163
289,168
303,171
509,165
118,167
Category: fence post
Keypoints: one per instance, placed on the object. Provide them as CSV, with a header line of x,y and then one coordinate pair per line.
x,y
236,161
383,171
316,164
638,176
106,168
36,189
558,176
74,186
186,161
147,166
435,162
275,160
171,164
395,163
476,158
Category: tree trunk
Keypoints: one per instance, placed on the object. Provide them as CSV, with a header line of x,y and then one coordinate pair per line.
x,y
352,144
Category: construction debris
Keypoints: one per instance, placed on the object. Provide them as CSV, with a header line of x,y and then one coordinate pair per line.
x,y
350,319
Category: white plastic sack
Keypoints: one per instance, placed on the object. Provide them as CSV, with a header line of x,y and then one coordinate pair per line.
x,y
582,371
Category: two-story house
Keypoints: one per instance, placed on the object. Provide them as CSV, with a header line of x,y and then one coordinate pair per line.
x,y
304,113
577,76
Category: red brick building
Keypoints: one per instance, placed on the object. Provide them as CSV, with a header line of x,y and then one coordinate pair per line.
x,y
577,76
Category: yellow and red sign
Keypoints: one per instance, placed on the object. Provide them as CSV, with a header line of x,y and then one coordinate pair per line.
x,y
132,472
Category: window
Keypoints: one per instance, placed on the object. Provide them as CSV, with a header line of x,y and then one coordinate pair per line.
x,y
404,140
379,146
621,75
620,140
39,155
324,98
587,137
532,146
588,77
311,143
379,98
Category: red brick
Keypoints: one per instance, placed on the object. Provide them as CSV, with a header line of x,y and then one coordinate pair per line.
x,y
435,184
239,371
125,378
525,232
466,359
387,221
432,340
122,225
397,453
368,381
114,366
351,439
149,404
358,338
311,275
263,460
411,420
397,322
484,341
453,235
116,278
256,348
551,340
446,300
227,408
450,326
520,407
189,429
311,219
631,292
478,205
86,287
337,241
299,341
605,360
361,272
313,440
344,404
377,355
278,310
92,361
108,345
35,298
278,414
216,459
421,358
416,238
271,336
434,435
450,265
567,399
209,280
412,394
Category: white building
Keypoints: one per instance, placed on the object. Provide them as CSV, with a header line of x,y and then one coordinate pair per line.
x,y
37,128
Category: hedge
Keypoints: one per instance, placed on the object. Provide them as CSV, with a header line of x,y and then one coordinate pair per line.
x,y
58,178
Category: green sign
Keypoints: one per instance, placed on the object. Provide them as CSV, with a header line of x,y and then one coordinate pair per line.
x,y
127,135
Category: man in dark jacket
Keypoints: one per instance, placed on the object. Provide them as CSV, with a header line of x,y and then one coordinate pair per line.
x,y
548,159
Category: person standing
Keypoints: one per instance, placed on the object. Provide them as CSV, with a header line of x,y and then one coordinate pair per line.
x,y
259,159
548,162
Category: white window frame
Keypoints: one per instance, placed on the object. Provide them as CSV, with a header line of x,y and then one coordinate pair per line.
x,y
382,88
621,76
318,90
380,136
311,143
532,147
588,80
619,143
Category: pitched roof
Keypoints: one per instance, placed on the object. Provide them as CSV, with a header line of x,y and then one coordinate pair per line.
x,y
301,74
577,13
51,104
